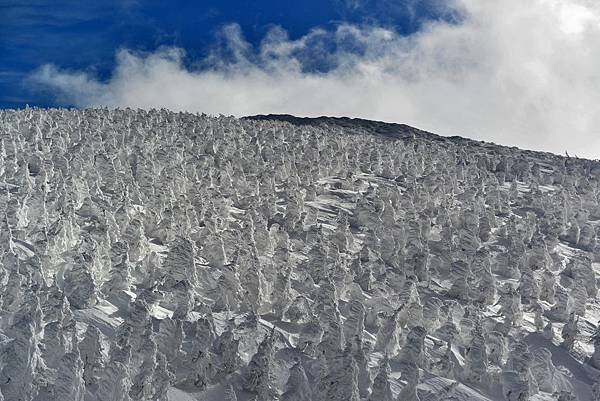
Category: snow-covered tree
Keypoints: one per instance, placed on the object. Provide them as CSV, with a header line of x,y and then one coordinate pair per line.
x,y
141,387
69,383
281,296
340,379
476,358
297,387
90,349
570,331
114,383
445,365
528,287
515,387
360,353
79,285
511,306
229,394
20,356
547,288
227,291
548,331
517,372
169,339
258,376
226,347
381,386
596,391
409,391
595,340
547,376
162,378
538,319
355,322
389,334
412,351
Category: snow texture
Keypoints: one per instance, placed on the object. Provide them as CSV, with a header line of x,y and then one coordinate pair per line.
x,y
151,255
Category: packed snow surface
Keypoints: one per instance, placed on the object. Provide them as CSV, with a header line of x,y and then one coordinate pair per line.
x,y
151,255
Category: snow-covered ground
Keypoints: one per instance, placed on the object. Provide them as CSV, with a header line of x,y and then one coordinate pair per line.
x,y
150,255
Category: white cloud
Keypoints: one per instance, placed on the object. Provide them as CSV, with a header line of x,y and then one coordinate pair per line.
x,y
515,72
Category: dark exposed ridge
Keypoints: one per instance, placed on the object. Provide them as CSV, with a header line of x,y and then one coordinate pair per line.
x,y
403,131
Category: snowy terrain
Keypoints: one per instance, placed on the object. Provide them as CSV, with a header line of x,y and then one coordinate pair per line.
x,y
151,255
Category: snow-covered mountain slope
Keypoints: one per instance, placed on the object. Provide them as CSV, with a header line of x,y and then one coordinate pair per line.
x,y
151,255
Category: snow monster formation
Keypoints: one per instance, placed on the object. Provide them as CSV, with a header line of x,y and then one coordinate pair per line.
x,y
152,255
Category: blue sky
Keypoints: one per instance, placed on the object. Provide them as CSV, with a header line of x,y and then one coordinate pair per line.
x,y
85,35
513,72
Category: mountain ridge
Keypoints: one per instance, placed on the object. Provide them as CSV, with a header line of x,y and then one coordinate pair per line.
x,y
390,128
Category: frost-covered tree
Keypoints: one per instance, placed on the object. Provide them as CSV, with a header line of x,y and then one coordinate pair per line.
x,y
447,331
409,391
389,334
79,285
360,353
229,393
114,383
183,299
578,297
340,379
227,291
596,391
548,331
199,360
445,365
547,288
119,277
460,274
476,358
20,356
595,340
169,339
54,344
581,272
258,376
547,376
570,331
483,289
297,387
431,313
162,378
381,390
90,349
517,375
69,383
355,322
299,311
226,347
538,319
55,306
496,347
412,351
510,306
281,295
528,287
141,387
515,387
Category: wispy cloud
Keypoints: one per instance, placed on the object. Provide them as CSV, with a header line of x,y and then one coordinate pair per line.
x,y
512,72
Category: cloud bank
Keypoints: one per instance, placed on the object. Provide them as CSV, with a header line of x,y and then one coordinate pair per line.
x,y
524,73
